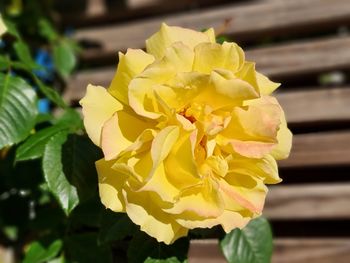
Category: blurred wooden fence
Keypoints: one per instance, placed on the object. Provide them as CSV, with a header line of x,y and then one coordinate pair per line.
x,y
302,43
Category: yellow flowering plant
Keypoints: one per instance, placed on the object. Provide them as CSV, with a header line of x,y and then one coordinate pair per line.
x,y
190,135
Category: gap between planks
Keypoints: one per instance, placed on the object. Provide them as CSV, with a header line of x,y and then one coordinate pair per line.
x,y
286,250
247,21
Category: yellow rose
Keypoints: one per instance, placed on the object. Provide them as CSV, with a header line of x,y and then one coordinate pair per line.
x,y
189,132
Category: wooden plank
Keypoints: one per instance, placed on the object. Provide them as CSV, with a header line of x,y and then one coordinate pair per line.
x,y
95,8
307,57
309,201
319,149
286,250
99,14
316,105
247,21
312,250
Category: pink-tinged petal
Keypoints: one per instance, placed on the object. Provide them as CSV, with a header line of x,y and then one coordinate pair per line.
x,y
253,129
98,106
130,65
260,121
110,184
251,149
264,168
284,136
243,190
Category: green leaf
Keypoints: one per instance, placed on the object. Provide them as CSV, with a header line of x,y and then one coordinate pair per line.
x,y
4,63
18,110
43,117
84,248
221,39
23,53
64,58
71,119
38,253
47,31
143,246
34,146
252,244
115,226
53,173
11,29
50,93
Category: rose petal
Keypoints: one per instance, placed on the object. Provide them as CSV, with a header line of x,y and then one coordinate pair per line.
x,y
266,86
110,184
177,58
210,56
265,168
98,106
229,220
284,138
144,212
167,35
203,199
247,191
226,91
130,65
182,157
117,135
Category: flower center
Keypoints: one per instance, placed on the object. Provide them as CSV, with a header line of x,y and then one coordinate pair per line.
x,y
185,113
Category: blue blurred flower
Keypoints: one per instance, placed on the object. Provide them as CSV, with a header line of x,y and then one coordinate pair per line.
x,y
43,105
44,59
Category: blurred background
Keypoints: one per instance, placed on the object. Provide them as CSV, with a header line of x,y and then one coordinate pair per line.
x,y
304,44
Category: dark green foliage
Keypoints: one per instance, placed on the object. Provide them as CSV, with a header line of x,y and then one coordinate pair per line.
x,y
144,247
